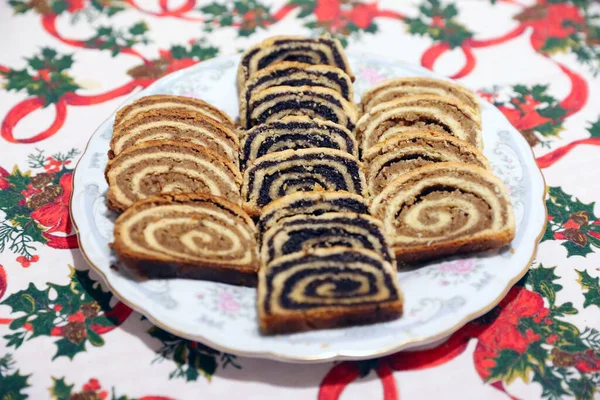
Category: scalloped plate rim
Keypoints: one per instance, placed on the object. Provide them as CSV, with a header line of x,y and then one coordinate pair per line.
x,y
325,355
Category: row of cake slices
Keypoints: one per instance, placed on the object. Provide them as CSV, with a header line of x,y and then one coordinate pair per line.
x,y
324,261
429,182
173,172
165,143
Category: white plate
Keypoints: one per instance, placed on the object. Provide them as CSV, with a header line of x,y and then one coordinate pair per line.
x,y
440,297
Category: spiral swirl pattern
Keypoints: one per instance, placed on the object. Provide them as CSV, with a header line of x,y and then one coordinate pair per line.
x,y
277,49
315,102
392,89
276,175
303,233
295,74
177,235
169,124
407,151
326,288
443,209
175,103
156,167
439,114
310,203
294,133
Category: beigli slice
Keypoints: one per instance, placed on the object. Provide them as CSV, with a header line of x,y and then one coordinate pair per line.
x,y
190,236
310,204
296,74
179,125
327,288
445,209
277,102
294,133
303,233
435,113
406,151
167,101
322,50
392,89
166,166
278,174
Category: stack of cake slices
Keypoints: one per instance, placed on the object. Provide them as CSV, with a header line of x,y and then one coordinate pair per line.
x,y
325,262
430,185
173,171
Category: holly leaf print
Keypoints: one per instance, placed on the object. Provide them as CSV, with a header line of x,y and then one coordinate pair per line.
x,y
75,313
60,390
591,287
45,77
541,280
11,383
191,358
572,222
510,365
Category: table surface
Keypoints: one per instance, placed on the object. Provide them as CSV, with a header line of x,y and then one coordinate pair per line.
x,y
65,65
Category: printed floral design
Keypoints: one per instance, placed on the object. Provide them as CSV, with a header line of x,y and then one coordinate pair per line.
x,y
12,383
526,336
191,358
77,313
531,110
450,273
92,390
36,208
571,222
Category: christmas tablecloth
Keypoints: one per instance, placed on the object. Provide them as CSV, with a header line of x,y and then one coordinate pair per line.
x,y
65,65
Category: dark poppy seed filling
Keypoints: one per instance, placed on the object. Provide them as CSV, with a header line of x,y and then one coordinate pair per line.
x,y
338,278
285,77
277,102
303,50
310,203
293,135
278,174
299,108
303,233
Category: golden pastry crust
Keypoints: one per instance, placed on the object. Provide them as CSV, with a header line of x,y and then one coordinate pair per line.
x,y
304,291
443,209
392,89
163,166
175,124
292,48
147,261
406,151
277,102
437,113
296,74
172,102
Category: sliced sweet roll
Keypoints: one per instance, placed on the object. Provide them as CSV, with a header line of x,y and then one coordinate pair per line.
x,y
310,204
165,166
443,209
278,174
303,233
192,236
316,51
406,151
327,288
175,124
436,113
166,101
296,74
274,103
294,133
392,89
